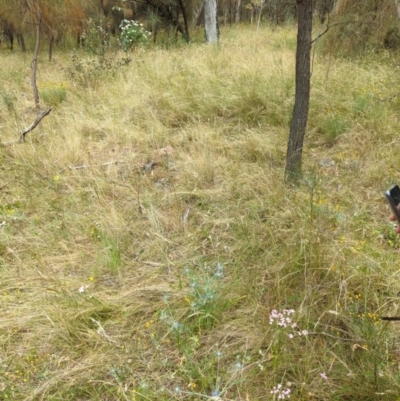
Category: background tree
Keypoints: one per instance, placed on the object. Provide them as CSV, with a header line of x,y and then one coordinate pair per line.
x,y
11,21
168,13
210,20
397,4
36,12
323,8
237,11
58,18
302,94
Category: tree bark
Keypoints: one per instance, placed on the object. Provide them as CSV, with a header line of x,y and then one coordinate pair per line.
x,y
21,41
185,20
51,42
35,57
261,5
210,21
198,15
302,94
397,3
237,16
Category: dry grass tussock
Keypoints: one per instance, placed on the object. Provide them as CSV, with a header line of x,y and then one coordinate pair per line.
x,y
148,234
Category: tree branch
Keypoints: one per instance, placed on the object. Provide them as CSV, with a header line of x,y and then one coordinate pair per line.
x,y
385,99
21,138
331,25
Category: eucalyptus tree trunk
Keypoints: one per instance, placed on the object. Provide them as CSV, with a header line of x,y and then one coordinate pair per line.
x,y
237,15
302,94
35,9
397,3
261,5
210,21
185,21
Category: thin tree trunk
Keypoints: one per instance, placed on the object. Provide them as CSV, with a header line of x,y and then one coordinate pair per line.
x,y
259,14
237,16
302,95
51,42
197,15
397,3
337,7
210,20
185,20
11,36
21,41
34,61
38,17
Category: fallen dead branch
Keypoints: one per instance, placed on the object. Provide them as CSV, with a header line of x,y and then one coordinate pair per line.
x,y
83,166
21,138
5,185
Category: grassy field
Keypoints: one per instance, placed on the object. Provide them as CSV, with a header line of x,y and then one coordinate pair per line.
x,y
151,250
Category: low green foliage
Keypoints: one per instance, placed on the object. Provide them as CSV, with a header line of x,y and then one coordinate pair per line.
x,y
9,99
133,34
91,71
111,253
96,37
53,94
332,127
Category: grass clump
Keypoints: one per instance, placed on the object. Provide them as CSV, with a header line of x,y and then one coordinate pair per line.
x,y
151,250
9,99
53,94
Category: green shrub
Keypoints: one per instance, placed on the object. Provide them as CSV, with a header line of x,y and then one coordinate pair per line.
x,y
133,34
333,126
53,94
8,98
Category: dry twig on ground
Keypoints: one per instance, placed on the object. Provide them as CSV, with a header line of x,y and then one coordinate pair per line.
x,y
21,138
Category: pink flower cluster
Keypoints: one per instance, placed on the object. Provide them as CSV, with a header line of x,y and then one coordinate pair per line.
x,y
324,376
281,392
283,319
